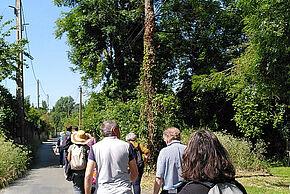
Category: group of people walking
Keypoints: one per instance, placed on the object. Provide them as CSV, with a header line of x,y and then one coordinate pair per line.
x,y
113,166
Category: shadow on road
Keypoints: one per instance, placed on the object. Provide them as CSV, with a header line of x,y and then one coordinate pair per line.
x,y
45,156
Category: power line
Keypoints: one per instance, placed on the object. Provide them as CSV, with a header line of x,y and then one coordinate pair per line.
x,y
139,34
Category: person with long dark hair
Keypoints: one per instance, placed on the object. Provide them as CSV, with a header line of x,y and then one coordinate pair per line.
x,y
206,165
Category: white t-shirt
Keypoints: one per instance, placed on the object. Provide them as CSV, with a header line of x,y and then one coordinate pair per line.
x,y
112,156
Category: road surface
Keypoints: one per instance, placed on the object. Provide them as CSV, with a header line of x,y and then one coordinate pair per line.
x,y
45,176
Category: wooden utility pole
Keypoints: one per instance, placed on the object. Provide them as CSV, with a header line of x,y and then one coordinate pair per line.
x,y
80,108
146,82
19,72
38,95
67,111
47,103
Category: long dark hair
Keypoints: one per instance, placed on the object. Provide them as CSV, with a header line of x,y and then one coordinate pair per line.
x,y
205,159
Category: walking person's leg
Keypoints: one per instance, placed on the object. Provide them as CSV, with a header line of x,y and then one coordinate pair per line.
x,y
61,161
136,185
78,183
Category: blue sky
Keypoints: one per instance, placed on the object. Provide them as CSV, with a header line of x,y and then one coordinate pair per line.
x,y
50,63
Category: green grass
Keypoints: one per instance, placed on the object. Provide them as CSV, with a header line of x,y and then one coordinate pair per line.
x,y
270,190
276,180
280,171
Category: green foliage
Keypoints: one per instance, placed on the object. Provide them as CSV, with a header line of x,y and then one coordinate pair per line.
x,y
14,161
267,25
99,108
9,52
244,155
8,112
65,107
40,121
102,35
196,37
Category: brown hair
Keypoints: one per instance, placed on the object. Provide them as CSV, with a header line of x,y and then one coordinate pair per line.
x,y
205,159
68,127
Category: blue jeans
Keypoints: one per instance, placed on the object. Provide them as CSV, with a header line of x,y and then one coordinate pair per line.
x,y
136,184
61,156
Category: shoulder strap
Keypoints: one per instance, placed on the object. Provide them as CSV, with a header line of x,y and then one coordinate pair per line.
x,y
206,183
240,186
209,185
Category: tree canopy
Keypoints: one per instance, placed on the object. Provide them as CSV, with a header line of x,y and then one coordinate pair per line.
x,y
218,64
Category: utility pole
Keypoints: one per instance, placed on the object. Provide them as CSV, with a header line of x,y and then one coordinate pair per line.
x,y
67,111
47,102
80,109
38,94
19,72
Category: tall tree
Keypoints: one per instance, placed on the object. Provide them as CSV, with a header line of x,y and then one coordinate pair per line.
x,y
147,88
106,42
63,108
195,37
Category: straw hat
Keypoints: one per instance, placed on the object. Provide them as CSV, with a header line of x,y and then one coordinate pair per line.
x,y
80,137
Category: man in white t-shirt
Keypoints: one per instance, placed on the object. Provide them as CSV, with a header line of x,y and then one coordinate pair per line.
x,y
111,157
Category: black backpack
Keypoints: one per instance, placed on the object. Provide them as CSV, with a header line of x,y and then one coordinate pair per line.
x,y
232,187
66,142
138,157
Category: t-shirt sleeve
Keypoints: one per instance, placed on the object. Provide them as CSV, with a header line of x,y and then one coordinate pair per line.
x,y
92,155
70,148
132,153
160,169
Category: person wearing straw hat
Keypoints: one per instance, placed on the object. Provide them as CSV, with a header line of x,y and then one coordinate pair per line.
x,y
78,157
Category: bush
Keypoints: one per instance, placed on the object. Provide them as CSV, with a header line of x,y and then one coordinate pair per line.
x,y
15,161
244,155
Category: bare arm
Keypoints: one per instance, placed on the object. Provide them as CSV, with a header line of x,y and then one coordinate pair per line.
x,y
89,176
146,156
69,156
133,170
157,185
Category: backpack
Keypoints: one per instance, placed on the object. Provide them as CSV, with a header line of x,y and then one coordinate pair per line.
x,y
224,188
139,159
78,157
66,142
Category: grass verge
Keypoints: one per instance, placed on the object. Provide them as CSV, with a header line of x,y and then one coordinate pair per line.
x,y
274,180
13,161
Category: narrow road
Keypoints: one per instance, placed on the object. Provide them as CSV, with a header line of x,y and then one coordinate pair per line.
x,y
45,177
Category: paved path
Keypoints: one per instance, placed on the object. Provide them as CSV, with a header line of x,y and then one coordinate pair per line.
x,y
45,177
